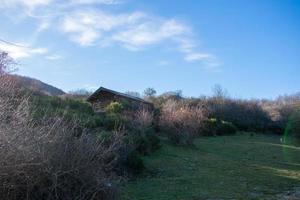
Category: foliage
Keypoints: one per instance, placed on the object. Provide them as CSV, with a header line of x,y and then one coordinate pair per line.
x,y
142,135
114,108
246,115
149,92
293,126
50,158
180,122
218,127
69,108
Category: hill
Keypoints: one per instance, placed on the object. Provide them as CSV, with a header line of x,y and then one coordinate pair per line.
x,y
37,86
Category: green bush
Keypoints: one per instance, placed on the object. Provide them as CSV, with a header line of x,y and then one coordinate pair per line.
x,y
148,142
70,109
219,127
293,125
226,128
113,121
114,108
246,115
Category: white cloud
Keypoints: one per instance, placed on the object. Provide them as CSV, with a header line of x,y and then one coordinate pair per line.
x,y
27,3
54,57
134,31
86,27
149,33
45,24
198,56
18,51
90,25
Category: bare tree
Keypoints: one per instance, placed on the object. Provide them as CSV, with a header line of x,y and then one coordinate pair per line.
x,y
219,92
6,63
149,92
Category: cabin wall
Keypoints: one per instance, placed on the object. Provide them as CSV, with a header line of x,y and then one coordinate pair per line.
x,y
102,101
105,98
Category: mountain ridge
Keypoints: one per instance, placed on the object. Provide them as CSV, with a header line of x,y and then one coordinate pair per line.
x,y
36,85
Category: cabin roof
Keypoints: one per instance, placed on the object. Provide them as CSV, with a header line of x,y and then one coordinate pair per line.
x,y
96,94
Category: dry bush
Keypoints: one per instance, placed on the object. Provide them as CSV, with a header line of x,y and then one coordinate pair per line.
x,y
143,118
50,160
142,136
182,123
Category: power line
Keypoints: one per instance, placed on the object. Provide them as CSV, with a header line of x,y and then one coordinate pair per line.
x,y
11,43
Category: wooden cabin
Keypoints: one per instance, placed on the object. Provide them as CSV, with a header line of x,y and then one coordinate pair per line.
x,y
102,97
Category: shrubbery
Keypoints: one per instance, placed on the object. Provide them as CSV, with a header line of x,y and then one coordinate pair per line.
x,y
114,108
293,125
48,159
180,122
70,109
246,115
140,138
218,127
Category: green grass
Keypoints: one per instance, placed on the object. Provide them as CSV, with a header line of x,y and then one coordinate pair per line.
x,y
228,167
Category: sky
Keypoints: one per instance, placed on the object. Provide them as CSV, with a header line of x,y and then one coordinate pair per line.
x,y
250,48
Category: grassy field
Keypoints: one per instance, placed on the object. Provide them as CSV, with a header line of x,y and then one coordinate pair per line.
x,y
228,167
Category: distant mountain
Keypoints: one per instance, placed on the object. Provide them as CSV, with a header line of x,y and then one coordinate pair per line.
x,y
37,86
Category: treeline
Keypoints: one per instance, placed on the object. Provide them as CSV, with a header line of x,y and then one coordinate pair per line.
x,y
183,119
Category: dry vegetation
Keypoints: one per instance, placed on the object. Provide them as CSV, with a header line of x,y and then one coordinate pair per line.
x,y
51,159
181,122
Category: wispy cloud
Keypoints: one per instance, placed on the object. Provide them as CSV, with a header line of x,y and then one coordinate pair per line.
x,y
54,57
86,27
149,33
135,31
18,50
31,4
192,56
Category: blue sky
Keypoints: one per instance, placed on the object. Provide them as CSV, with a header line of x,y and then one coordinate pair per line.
x,y
251,48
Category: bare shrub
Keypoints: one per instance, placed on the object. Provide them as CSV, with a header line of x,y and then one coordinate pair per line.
x,y
182,123
143,118
142,137
49,159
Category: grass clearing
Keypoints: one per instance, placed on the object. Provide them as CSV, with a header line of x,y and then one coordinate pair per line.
x,y
227,167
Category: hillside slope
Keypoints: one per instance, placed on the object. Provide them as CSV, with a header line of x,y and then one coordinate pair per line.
x,y
37,85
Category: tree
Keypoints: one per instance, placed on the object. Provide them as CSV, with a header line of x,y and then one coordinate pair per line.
x,y
6,63
219,92
149,92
